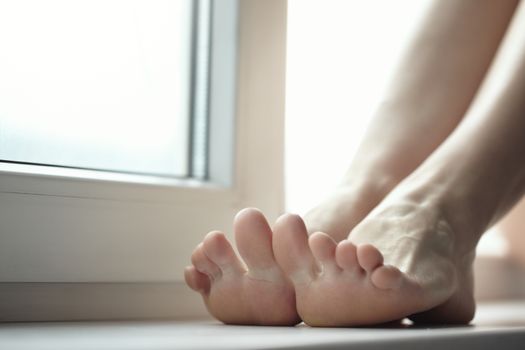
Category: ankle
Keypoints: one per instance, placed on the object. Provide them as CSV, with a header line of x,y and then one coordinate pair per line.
x,y
347,205
435,191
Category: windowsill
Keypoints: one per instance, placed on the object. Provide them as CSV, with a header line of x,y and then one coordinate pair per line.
x,y
497,325
52,181
37,172
94,175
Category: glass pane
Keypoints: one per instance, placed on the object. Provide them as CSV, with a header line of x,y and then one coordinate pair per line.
x,y
96,84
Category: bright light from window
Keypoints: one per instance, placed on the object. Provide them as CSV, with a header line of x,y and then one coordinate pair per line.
x,y
100,84
340,55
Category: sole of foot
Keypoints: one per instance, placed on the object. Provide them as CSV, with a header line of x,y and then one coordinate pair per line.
x,y
251,291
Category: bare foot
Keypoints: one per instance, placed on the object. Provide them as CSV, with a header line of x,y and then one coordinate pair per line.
x,y
431,251
401,260
259,294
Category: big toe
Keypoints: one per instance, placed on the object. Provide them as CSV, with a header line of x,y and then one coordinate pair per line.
x,y
291,249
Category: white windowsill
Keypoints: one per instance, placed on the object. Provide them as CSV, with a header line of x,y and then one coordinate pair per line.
x,y
96,175
499,326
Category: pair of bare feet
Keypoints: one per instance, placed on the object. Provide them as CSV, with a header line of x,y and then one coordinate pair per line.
x,y
401,259
439,164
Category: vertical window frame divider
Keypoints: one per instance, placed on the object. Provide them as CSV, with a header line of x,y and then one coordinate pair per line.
x,y
202,13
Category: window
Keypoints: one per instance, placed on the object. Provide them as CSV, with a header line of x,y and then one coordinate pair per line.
x,y
108,85
64,227
106,106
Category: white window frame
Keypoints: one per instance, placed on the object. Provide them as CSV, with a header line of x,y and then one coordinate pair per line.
x,y
123,240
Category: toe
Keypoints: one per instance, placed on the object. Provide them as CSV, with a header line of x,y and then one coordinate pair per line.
x,y
217,248
387,277
197,281
203,264
323,249
346,255
369,257
290,246
253,236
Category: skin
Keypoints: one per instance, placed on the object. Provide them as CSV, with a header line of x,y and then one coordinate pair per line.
x,y
412,207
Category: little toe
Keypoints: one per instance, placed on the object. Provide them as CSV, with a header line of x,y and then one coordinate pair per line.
x,y
369,257
217,248
196,280
387,277
203,264
346,255
253,236
323,249
290,246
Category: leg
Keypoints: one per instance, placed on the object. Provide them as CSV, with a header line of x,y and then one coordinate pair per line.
x,y
431,90
404,113
412,255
